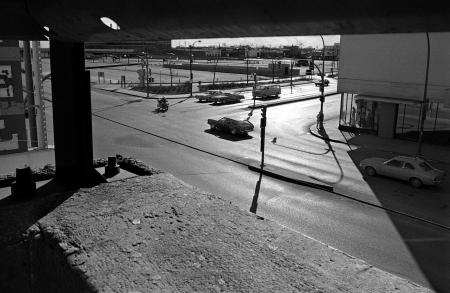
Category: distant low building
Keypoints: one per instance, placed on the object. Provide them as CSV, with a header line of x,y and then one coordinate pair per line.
x,y
332,52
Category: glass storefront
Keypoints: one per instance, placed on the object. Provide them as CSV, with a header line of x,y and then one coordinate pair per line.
x,y
358,114
436,126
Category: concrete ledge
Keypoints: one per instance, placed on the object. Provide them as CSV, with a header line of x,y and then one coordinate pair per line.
x,y
289,176
158,234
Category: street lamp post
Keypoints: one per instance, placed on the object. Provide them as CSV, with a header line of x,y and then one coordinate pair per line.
x,y
146,73
273,72
246,61
424,105
190,64
170,68
320,116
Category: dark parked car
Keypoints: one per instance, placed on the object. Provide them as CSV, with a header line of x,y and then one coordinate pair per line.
x,y
207,96
226,98
230,125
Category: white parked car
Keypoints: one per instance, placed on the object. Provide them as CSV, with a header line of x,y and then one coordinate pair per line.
x,y
413,169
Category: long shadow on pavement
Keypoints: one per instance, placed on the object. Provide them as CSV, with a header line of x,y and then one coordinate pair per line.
x,y
254,206
428,244
228,136
330,149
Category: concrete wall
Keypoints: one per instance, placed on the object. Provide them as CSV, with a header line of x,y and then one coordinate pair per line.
x,y
393,65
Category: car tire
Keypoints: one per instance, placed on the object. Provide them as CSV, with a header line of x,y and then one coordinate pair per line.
x,y
370,171
415,182
233,131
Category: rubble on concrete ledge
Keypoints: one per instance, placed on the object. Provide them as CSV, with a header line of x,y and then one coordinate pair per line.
x,y
158,234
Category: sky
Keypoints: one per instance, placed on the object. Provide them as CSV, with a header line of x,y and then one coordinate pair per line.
x,y
304,41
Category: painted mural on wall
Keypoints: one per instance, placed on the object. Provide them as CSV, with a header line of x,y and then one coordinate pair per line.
x,y
13,136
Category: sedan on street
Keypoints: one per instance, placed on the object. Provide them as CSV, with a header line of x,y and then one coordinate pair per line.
x,y
207,96
232,126
413,169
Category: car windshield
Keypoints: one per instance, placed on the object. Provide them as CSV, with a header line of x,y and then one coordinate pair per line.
x,y
425,166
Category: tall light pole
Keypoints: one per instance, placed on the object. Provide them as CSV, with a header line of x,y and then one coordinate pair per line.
x,y
273,71
320,116
190,64
424,105
170,67
246,61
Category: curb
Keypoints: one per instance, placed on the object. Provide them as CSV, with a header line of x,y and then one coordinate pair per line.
x,y
289,101
115,65
290,179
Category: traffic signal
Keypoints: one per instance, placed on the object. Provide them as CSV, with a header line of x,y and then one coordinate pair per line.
x,y
263,116
311,65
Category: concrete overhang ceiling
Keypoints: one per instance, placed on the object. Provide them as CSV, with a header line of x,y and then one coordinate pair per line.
x,y
79,20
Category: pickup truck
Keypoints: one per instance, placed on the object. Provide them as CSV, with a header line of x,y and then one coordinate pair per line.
x,y
230,125
265,91
225,98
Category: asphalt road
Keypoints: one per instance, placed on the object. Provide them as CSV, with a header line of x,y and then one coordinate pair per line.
x,y
180,142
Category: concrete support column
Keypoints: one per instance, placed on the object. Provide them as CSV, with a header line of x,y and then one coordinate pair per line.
x,y
30,94
387,120
72,115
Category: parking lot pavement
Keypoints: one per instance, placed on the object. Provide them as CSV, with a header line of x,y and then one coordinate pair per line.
x,y
430,203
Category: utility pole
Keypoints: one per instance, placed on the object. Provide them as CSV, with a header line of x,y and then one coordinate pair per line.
x,y
292,68
190,68
30,94
190,64
36,66
254,88
273,72
215,65
170,68
147,77
246,61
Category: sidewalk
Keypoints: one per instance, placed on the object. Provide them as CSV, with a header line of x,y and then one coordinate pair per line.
x,y
396,146
428,203
259,102
158,234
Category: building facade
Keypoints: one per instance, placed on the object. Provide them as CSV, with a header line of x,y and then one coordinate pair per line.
x,y
382,83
